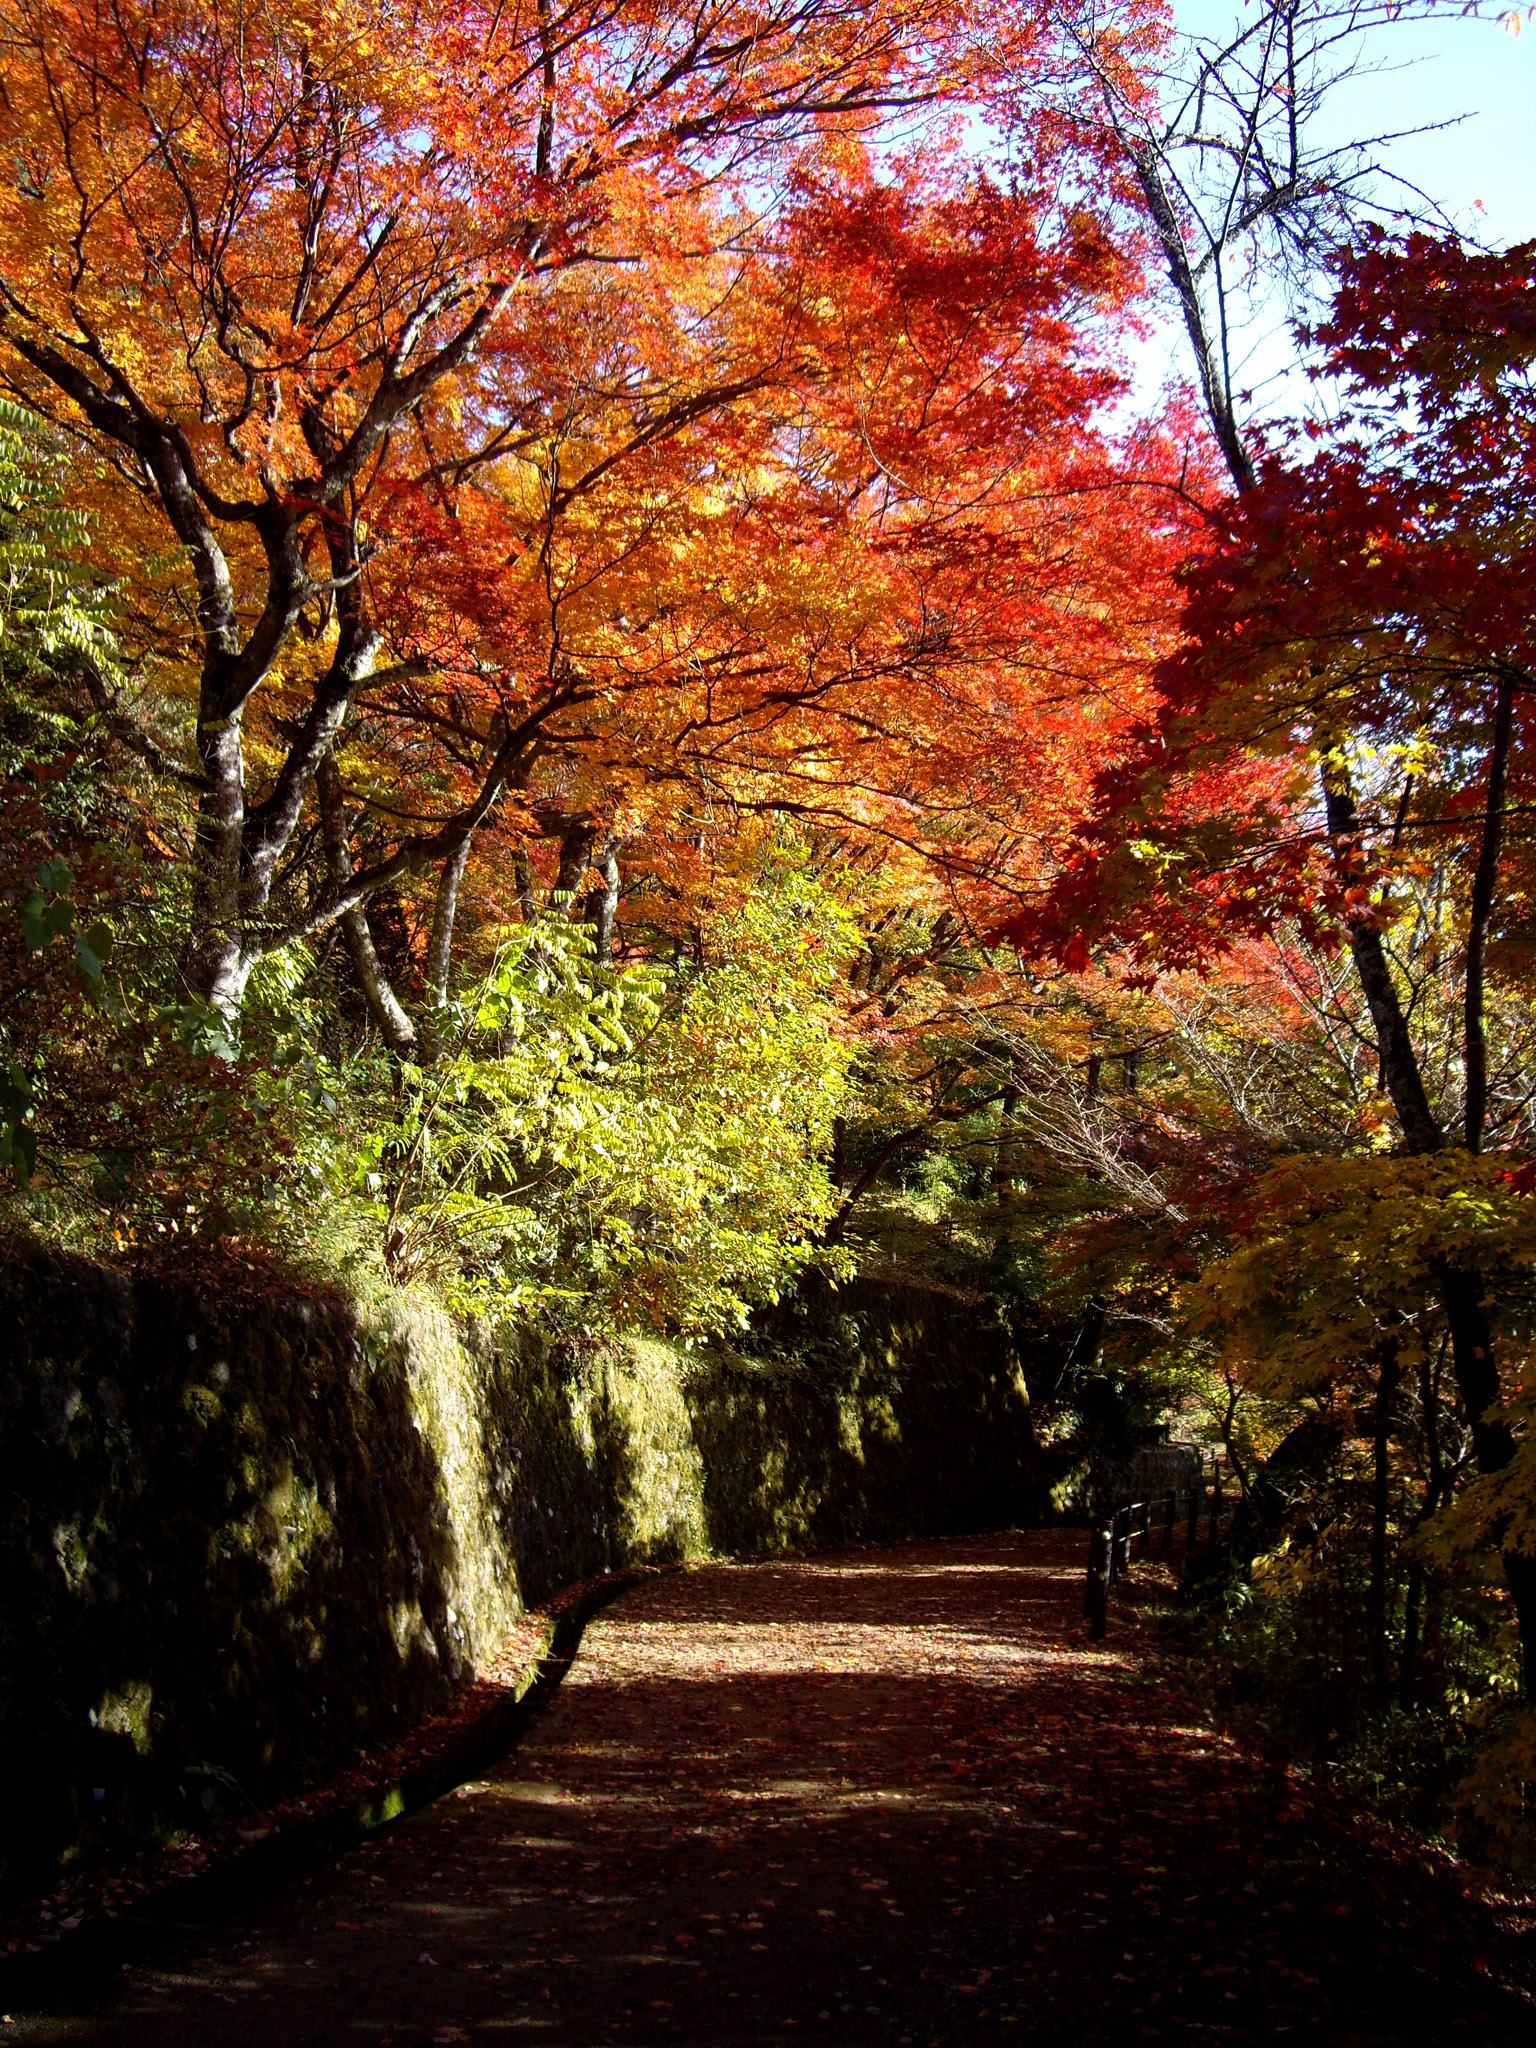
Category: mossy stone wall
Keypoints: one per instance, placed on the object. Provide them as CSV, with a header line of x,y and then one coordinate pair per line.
x,y
247,1533
865,1411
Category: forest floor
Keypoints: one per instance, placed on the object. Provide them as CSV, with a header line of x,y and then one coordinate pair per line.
x,y
887,1795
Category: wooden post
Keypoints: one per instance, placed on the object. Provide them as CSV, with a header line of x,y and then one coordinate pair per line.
x,y
1101,1548
1193,1534
1170,1509
1215,1503
1122,1541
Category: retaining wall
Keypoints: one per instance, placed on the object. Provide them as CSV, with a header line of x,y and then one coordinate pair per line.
x,y
247,1533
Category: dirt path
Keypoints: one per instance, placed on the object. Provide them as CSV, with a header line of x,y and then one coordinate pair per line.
x,y
886,1796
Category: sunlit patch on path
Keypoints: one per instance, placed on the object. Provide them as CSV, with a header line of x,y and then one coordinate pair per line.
x,y
893,1796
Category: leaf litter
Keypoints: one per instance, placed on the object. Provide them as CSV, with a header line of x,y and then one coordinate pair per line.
x,y
886,1795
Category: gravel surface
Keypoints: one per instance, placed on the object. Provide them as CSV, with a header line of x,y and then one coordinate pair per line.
x,y
887,1795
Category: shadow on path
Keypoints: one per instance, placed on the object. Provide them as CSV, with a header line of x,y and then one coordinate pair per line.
x,y
886,1796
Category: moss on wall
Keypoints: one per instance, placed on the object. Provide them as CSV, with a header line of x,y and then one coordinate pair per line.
x,y
247,1533
865,1411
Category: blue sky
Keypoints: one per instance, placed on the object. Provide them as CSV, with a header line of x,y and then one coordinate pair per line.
x,y
1466,71
1433,71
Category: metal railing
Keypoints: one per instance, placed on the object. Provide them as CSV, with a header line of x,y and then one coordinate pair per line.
x,y
1130,1528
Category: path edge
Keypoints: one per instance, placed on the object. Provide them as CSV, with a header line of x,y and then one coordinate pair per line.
x,y
158,1899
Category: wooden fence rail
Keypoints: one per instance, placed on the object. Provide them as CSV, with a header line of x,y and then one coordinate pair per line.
x,y
1110,1547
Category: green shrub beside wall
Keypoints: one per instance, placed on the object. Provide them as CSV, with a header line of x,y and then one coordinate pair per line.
x,y
246,1534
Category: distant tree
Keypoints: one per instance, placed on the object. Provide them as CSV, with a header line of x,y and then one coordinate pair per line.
x,y
1246,191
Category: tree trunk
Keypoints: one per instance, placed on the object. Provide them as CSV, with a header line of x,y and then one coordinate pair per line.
x,y
1476,1367
522,874
1493,1442
1210,363
575,850
864,1180
1005,1167
395,1027
602,905
1520,1575
1408,1673
1461,1292
1388,1374
440,946
1087,1343
838,1165
1399,1063
1484,888
213,962
1414,1615
237,851
580,850
444,910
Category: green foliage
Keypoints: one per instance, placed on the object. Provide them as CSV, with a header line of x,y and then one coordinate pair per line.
x,y
1362,1620
53,618
1345,1252
635,1148
642,1147
48,913
1495,1509
51,612
18,1141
